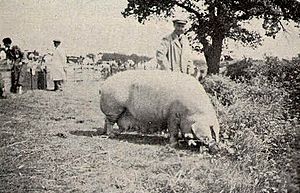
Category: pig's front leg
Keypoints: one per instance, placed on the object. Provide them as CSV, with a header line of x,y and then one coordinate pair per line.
x,y
108,128
173,128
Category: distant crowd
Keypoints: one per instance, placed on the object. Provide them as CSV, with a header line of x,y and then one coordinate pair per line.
x,y
25,70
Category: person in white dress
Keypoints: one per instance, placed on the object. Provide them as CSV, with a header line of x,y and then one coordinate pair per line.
x,y
57,66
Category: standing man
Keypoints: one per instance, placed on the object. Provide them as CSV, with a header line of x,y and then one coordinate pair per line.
x,y
14,57
58,66
174,52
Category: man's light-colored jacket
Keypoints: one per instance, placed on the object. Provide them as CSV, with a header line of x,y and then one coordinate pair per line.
x,y
174,54
57,65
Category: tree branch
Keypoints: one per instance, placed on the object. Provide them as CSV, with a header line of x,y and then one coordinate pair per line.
x,y
283,28
188,9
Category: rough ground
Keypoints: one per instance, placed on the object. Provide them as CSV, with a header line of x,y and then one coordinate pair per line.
x,y
49,144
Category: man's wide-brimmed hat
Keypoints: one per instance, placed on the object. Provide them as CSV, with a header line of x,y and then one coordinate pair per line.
x,y
180,21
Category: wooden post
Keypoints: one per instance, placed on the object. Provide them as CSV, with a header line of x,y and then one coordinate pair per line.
x,y
31,81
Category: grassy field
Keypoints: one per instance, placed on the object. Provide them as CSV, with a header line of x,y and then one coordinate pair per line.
x,y
49,144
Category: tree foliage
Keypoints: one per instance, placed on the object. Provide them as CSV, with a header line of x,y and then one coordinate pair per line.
x,y
212,21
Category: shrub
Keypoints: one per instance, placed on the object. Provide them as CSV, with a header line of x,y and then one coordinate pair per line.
x,y
258,121
281,74
222,88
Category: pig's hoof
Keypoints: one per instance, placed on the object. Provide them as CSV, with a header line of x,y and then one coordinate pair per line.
x,y
203,149
192,142
112,135
101,131
173,145
213,149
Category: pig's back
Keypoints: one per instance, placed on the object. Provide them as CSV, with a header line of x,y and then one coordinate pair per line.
x,y
149,94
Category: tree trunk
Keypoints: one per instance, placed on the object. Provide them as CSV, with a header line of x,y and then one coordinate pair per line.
x,y
212,53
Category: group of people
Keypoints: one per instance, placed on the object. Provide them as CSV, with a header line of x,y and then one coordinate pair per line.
x,y
20,64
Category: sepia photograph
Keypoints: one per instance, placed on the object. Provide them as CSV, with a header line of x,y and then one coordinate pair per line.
x,y
149,96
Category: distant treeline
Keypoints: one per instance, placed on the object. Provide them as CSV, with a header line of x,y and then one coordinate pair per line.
x,y
123,58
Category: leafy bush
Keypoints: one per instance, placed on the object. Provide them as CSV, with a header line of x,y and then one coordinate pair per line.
x,y
282,74
222,88
255,105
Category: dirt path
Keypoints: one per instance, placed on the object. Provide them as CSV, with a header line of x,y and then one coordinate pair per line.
x,y
49,144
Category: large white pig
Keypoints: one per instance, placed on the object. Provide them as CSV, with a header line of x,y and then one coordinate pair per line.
x,y
151,101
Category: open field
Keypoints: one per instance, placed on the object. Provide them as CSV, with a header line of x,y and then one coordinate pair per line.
x,y
49,144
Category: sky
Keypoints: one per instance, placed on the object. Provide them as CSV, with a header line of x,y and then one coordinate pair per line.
x,y
92,26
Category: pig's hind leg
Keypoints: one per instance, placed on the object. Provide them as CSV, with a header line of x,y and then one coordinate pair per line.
x,y
125,122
